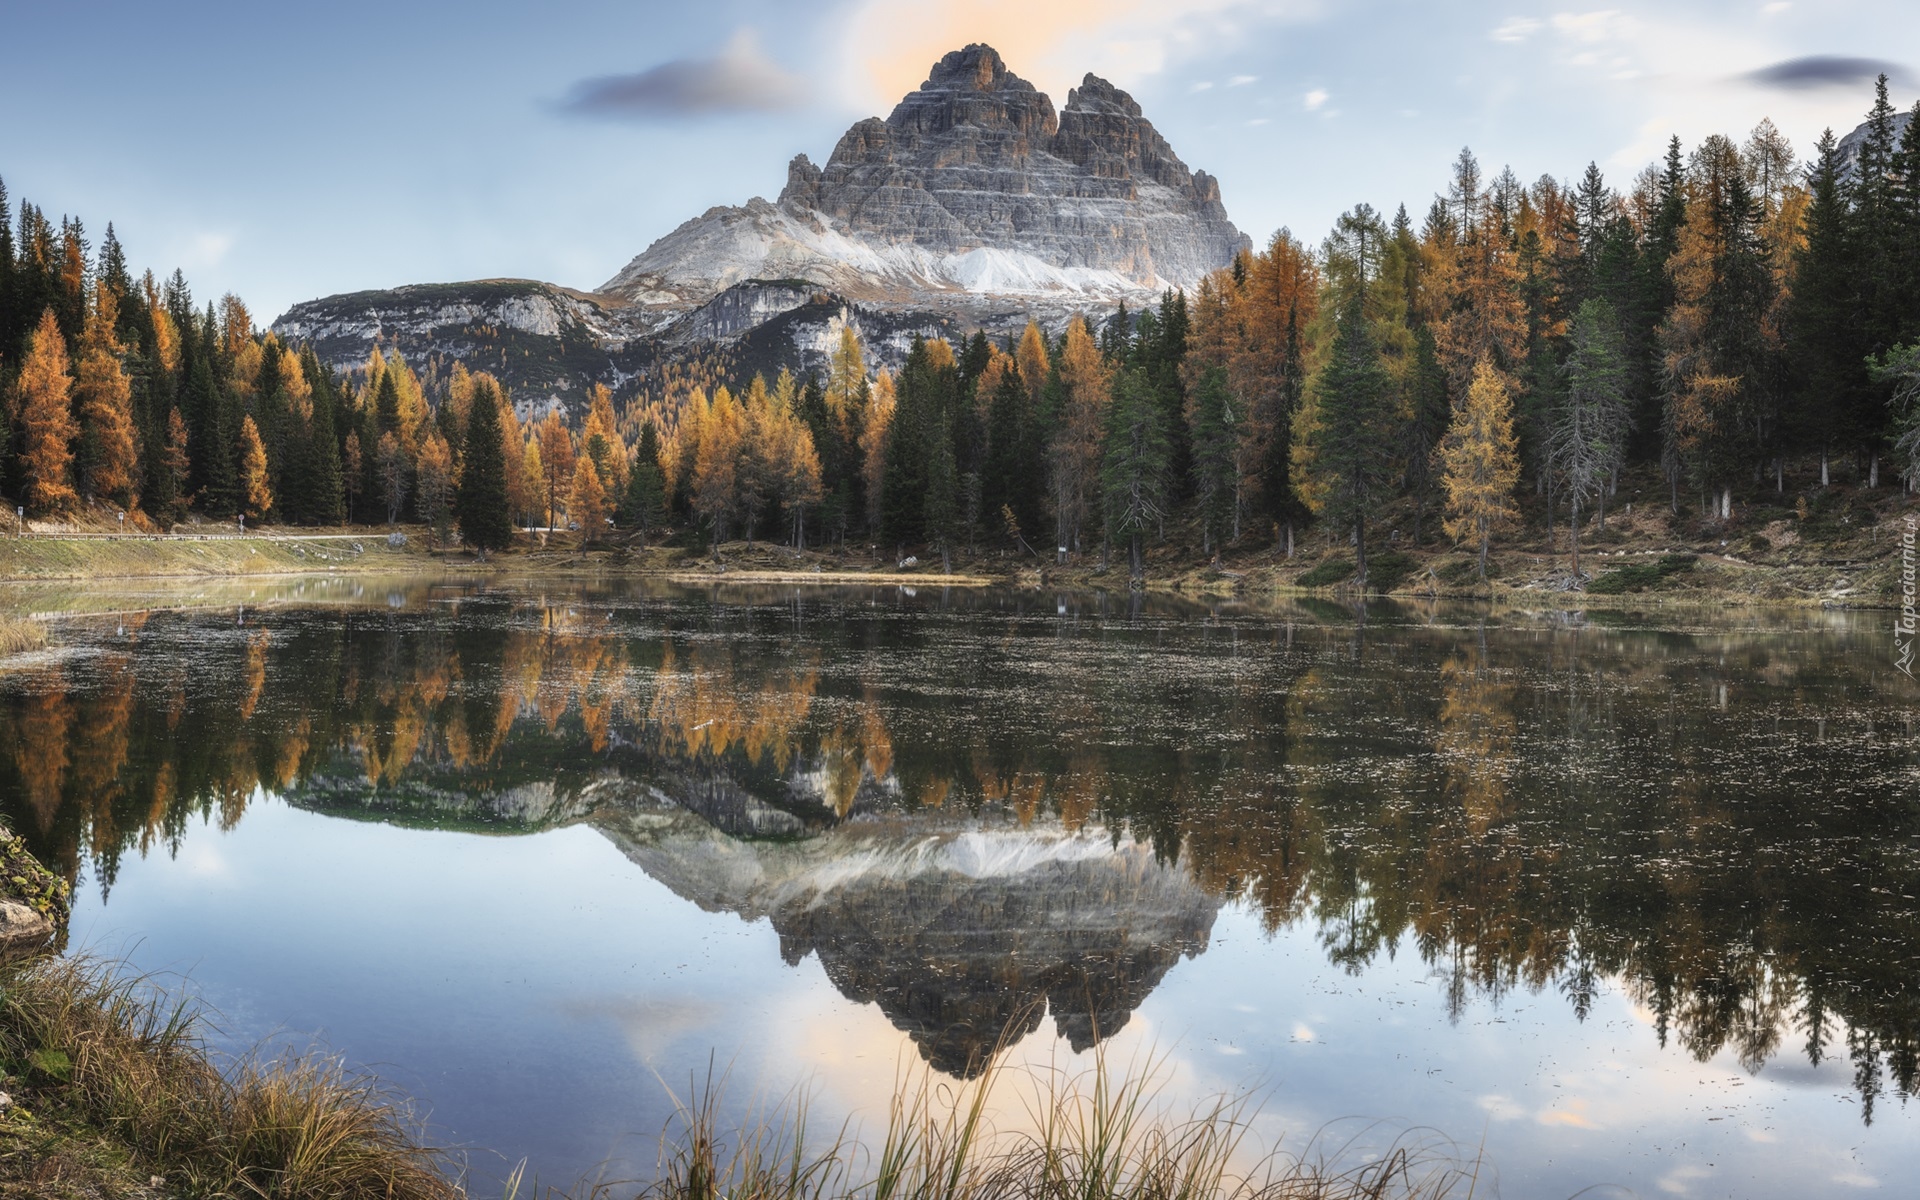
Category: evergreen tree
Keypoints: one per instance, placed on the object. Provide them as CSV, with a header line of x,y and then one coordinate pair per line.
x,y
1214,437
481,505
919,433
1428,413
644,507
940,511
1133,473
1344,434
324,503
1826,349
1589,426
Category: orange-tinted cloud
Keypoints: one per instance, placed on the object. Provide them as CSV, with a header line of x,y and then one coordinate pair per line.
x,y
891,43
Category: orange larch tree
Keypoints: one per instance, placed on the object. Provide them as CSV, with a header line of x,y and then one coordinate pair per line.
x,y
45,389
109,459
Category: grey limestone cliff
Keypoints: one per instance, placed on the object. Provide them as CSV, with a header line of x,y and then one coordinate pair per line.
x,y
973,184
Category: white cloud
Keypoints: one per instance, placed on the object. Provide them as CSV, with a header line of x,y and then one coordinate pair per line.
x,y
1516,29
1242,80
1205,85
1315,100
1605,25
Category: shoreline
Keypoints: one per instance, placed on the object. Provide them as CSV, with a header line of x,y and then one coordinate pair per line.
x,y
1667,573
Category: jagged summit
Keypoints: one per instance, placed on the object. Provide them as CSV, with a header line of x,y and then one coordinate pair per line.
x,y
972,185
974,204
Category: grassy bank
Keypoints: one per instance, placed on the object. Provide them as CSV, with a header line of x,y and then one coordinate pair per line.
x,y
1840,548
42,556
112,1093
108,1090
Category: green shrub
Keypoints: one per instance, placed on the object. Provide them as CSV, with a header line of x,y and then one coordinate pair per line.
x,y
1328,573
1387,571
1641,576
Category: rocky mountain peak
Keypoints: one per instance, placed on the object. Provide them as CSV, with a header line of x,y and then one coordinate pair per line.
x,y
973,186
972,89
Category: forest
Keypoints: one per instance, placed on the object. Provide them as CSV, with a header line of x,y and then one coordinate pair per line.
x,y
1734,319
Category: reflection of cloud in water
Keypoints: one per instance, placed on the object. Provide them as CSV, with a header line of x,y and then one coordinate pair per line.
x,y
652,1025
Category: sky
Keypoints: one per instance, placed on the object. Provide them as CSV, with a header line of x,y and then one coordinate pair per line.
x,y
285,152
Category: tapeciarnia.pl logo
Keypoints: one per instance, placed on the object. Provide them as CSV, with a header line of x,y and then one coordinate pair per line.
x,y
1904,626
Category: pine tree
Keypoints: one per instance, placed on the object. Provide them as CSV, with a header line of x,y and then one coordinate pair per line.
x,y
645,504
1589,426
12,320
1480,463
325,503
940,505
44,388
1134,472
1718,357
176,470
1428,413
482,504
353,474
391,471
920,431
1344,433
1214,435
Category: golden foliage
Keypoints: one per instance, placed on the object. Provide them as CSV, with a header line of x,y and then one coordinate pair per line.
x,y
1480,463
587,500
104,398
44,388
256,495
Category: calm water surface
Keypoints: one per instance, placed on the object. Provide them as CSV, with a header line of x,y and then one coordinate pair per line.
x,y
1631,900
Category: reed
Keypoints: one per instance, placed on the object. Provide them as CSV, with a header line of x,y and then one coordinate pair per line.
x,y
1092,1134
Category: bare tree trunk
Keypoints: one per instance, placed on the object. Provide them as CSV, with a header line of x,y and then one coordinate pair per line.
x,y
1573,525
1823,466
1360,549
1873,473
1289,539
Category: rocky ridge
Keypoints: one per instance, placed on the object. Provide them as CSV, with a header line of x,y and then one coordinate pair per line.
x,y
973,205
973,185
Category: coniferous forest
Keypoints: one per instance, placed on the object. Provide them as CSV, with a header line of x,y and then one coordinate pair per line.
x,y
1735,321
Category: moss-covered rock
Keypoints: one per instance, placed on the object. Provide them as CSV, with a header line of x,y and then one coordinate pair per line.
x,y
34,902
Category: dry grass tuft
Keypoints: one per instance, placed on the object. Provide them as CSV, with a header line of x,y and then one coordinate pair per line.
x,y
1094,1135
18,634
117,1054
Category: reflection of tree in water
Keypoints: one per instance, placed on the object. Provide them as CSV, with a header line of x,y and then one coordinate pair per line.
x,y
1721,823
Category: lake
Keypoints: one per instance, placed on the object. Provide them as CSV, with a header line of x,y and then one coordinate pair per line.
x,y
1625,899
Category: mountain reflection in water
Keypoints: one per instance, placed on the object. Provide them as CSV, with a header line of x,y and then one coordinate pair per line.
x,y
1011,811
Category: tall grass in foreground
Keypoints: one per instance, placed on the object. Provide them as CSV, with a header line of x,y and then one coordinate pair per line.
x,y
1091,1135
19,633
115,1053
